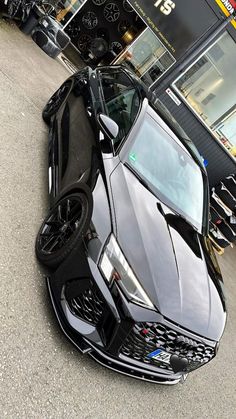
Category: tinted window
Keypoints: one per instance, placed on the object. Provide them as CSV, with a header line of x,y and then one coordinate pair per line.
x,y
122,101
169,170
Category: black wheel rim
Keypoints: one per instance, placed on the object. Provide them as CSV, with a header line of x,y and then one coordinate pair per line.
x,y
47,9
127,7
63,222
84,42
99,2
90,20
111,12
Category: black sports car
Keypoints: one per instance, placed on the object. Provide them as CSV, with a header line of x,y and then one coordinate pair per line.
x,y
134,281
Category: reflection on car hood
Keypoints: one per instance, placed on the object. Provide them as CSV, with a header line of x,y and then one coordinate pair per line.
x,y
166,256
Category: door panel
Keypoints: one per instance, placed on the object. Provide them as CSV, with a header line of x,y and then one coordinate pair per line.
x,y
76,143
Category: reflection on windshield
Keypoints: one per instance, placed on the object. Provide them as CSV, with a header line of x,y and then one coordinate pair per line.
x,y
169,170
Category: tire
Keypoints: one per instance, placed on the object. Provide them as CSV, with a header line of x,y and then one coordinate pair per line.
x,y
63,229
55,102
28,26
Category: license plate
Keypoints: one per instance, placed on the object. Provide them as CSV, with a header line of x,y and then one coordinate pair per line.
x,y
160,355
45,23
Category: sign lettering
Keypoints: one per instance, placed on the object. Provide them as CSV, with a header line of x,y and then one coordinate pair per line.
x,y
228,6
179,24
166,6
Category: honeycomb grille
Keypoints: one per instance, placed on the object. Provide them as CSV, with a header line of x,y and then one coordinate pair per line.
x,y
147,337
88,305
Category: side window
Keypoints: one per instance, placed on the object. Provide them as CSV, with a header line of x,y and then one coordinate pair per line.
x,y
122,101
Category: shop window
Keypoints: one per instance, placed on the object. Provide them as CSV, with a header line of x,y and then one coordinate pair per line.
x,y
210,90
147,57
67,9
100,29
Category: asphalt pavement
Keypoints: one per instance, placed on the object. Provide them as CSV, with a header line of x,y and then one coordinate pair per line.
x,y
41,373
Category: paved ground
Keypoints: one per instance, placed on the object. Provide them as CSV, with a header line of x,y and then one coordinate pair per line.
x,y
41,374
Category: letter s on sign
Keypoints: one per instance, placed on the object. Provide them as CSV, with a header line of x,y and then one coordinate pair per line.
x,y
167,6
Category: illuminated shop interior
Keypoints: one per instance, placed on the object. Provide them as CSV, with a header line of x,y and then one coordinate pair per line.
x,y
106,32
209,88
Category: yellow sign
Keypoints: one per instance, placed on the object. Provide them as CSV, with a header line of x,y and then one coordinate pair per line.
x,y
227,9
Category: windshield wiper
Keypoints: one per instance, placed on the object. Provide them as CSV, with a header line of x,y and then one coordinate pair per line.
x,y
140,179
176,213
185,219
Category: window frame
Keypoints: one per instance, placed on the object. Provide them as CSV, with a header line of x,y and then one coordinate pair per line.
x,y
182,97
136,88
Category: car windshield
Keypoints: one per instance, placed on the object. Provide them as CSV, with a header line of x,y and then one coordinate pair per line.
x,y
168,169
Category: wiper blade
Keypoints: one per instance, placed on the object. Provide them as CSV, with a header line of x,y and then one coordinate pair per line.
x,y
184,219
176,213
140,179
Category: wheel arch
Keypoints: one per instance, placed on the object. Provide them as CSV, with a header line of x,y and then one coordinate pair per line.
x,y
74,188
54,260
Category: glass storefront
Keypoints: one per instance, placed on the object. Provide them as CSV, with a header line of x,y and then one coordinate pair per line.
x,y
209,88
114,33
147,57
100,30
67,9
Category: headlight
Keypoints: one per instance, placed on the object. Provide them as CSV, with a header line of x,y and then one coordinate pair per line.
x,y
115,267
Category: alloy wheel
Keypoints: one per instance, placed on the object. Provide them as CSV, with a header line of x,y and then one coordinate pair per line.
x,y
61,224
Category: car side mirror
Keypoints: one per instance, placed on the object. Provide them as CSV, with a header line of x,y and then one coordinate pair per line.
x,y
108,127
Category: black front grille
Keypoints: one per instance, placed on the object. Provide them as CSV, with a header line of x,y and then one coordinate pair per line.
x,y
88,304
147,337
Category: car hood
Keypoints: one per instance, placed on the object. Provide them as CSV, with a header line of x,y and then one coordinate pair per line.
x,y
166,255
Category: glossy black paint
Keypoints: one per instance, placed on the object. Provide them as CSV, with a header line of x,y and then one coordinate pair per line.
x,y
167,257
171,260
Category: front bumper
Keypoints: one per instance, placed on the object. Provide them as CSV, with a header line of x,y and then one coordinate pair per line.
x,y
86,347
106,333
